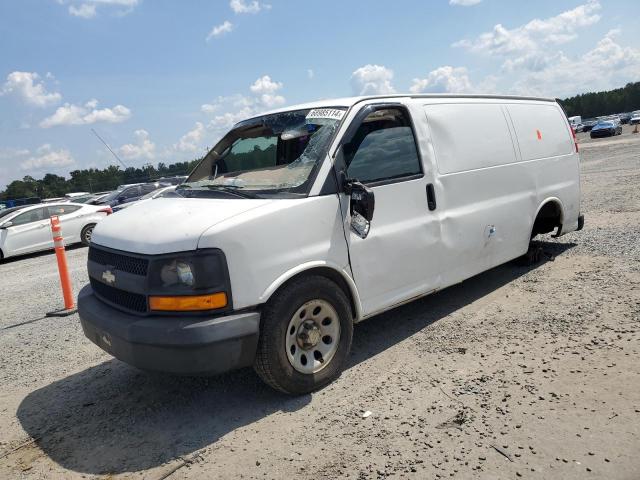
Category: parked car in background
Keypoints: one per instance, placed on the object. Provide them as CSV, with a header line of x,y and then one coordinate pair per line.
x,y
587,125
76,194
606,128
635,119
27,229
575,121
82,198
98,197
128,194
578,128
177,180
625,118
157,193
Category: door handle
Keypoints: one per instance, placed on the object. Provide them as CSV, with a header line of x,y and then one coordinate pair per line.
x,y
431,197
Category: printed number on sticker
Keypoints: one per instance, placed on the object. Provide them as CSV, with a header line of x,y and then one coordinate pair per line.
x,y
328,113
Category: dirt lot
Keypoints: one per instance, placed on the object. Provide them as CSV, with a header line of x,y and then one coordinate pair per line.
x,y
516,373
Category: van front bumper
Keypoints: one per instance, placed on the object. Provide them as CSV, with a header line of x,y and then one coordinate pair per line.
x,y
179,345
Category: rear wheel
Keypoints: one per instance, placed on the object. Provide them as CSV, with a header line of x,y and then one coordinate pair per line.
x,y
85,235
305,336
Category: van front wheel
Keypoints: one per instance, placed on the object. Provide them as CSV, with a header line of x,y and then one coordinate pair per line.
x,y
305,336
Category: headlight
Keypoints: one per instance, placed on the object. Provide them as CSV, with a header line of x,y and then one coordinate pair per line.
x,y
200,274
176,273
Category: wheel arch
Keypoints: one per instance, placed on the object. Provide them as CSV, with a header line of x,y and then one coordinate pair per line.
x,y
550,208
323,269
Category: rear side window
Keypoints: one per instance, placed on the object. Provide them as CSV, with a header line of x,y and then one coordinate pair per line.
x,y
468,136
63,209
383,148
541,130
30,216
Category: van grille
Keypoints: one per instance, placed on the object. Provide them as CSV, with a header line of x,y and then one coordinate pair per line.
x,y
130,301
124,263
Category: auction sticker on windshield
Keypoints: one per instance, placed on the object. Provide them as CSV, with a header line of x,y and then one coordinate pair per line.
x,y
325,114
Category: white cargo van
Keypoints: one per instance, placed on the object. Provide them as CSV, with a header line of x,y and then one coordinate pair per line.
x,y
301,222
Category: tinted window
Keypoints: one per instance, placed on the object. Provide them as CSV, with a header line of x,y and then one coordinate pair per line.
x,y
383,148
148,188
62,209
130,192
249,154
30,216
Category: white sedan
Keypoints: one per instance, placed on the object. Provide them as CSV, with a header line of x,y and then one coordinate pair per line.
x,y
28,229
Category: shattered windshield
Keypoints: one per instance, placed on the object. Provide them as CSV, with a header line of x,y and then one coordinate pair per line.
x,y
273,155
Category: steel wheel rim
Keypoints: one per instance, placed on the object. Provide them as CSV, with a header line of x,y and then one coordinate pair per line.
x,y
312,336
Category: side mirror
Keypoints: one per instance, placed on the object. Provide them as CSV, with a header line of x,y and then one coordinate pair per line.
x,y
362,204
6,225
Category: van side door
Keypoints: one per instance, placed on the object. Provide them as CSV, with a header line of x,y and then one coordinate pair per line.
x,y
397,260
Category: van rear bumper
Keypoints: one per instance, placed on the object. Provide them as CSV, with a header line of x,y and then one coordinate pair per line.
x,y
178,345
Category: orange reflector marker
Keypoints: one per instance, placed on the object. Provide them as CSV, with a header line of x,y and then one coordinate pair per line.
x,y
189,303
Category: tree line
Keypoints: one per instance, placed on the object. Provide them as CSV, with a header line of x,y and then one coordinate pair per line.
x,y
595,104
92,180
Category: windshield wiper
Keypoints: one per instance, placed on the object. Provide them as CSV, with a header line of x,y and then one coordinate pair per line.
x,y
231,190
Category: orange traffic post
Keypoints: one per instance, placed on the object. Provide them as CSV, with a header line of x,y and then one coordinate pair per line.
x,y
63,269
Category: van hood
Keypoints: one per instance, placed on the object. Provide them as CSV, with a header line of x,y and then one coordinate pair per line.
x,y
166,225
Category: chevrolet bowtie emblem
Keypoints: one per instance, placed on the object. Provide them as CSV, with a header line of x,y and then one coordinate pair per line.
x,y
108,277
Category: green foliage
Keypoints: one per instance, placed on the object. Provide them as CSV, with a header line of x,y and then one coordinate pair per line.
x,y
92,180
595,104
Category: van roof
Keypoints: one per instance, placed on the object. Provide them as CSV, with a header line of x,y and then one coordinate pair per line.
x,y
351,101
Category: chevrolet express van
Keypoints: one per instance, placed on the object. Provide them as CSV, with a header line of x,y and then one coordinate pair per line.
x,y
301,222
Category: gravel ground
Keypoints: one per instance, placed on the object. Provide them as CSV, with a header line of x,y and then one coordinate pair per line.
x,y
516,373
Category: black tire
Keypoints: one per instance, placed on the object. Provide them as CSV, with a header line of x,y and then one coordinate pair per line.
x,y
85,234
533,256
272,364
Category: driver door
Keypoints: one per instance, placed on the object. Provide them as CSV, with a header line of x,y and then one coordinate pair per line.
x,y
398,259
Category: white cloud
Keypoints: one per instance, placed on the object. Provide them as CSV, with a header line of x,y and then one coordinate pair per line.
x,y
86,114
243,6
85,10
464,3
445,79
9,153
608,65
28,86
269,100
533,39
190,141
266,89
264,84
372,80
88,8
220,30
45,156
143,148
310,73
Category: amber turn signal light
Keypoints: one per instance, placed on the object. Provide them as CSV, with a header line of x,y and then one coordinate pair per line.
x,y
189,303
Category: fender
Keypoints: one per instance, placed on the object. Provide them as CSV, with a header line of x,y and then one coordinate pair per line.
x,y
307,267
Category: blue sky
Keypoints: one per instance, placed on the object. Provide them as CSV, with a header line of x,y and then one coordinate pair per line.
x,y
161,80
